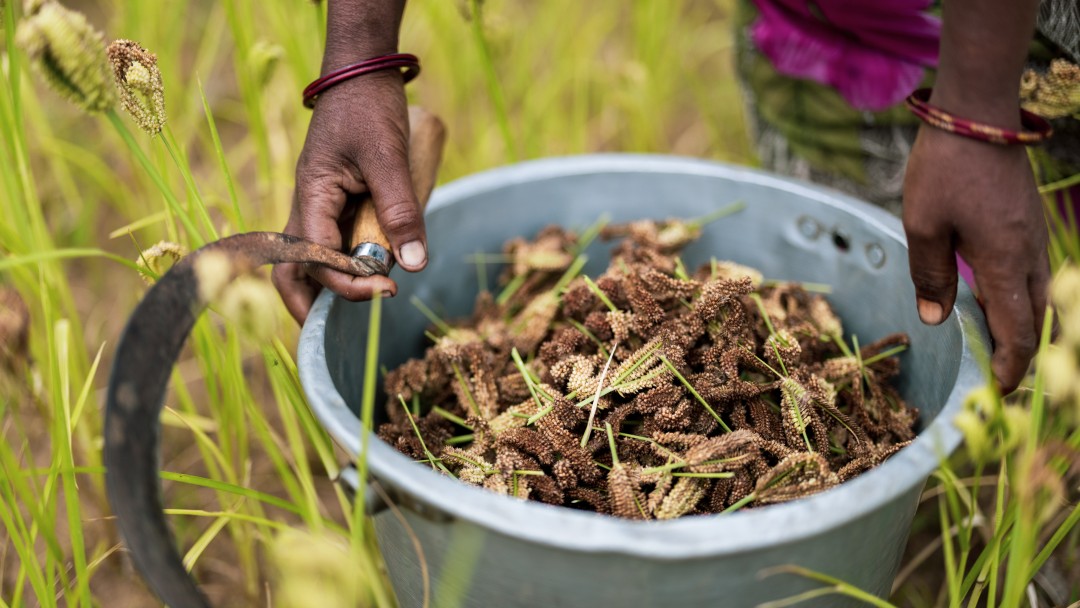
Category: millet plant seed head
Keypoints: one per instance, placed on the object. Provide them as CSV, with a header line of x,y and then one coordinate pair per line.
x,y
249,303
1053,93
1062,360
66,49
158,259
138,80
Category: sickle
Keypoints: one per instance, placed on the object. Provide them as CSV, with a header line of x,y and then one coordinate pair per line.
x,y
150,346
148,349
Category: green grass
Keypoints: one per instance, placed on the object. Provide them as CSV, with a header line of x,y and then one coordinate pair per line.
x,y
244,457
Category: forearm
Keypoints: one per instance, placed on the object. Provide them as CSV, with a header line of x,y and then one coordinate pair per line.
x,y
983,47
360,29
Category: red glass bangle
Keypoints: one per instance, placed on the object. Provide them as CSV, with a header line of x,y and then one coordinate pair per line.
x,y
1036,128
409,63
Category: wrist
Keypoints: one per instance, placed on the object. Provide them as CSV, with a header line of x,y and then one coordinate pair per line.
x,y
997,106
1033,128
360,29
348,52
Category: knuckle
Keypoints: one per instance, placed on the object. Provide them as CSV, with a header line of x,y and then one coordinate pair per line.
x,y
400,217
919,231
930,281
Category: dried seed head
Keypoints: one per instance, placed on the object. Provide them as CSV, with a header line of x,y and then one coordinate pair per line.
x,y
1060,367
1037,482
727,271
647,311
663,481
512,388
250,303
665,287
563,343
1066,295
823,317
1016,420
565,475
470,465
407,380
990,427
595,498
676,234
782,350
68,52
158,259
973,428
484,389
640,362
717,294
621,323
794,477
662,396
527,441
138,80
737,448
532,323
682,498
1054,93
625,494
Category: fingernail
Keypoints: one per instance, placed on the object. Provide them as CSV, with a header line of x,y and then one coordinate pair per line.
x,y
412,253
929,312
387,294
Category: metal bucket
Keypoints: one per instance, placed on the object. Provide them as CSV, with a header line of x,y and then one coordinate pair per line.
x,y
530,554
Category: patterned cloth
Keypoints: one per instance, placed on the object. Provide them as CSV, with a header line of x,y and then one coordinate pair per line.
x,y
824,81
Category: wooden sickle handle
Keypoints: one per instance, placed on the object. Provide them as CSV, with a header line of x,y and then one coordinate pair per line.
x,y
427,137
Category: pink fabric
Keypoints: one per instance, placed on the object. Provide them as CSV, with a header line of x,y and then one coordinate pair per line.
x,y
873,52
966,272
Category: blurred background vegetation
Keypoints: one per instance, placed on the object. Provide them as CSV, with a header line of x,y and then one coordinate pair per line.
x,y
83,196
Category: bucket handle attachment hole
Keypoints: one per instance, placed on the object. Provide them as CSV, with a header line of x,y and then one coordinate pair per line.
x,y
841,239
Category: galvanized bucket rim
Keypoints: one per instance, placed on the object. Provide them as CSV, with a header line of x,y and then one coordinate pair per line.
x,y
689,537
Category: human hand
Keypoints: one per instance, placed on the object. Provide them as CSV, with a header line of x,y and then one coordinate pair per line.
x,y
357,144
979,199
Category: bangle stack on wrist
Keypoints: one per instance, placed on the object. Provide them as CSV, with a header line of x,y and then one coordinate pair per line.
x,y
1036,128
409,63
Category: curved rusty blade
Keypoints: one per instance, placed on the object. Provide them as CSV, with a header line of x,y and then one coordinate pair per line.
x,y
148,349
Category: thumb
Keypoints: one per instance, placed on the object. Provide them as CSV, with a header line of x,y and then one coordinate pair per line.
x,y
396,206
932,258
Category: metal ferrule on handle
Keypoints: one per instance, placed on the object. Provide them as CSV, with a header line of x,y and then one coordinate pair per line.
x,y
374,256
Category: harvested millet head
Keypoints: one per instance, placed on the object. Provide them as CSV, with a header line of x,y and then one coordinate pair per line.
x,y
705,391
